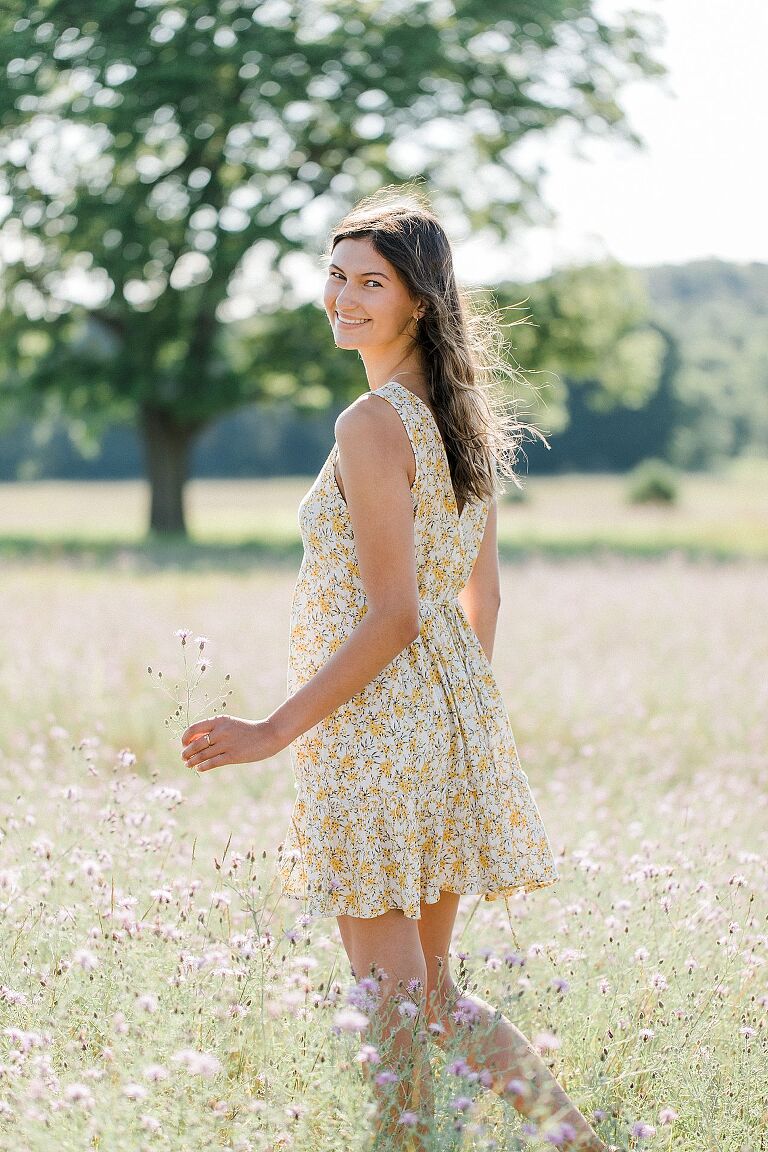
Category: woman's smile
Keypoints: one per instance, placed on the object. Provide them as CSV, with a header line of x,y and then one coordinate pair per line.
x,y
350,323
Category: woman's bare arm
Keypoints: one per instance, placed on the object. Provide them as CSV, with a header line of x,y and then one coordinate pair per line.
x,y
481,596
374,458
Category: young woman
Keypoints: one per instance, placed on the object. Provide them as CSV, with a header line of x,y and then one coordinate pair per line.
x,y
409,788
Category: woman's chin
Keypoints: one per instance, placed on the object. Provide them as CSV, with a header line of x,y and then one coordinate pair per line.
x,y
346,339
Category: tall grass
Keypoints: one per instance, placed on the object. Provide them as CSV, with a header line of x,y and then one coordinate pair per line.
x,y
157,992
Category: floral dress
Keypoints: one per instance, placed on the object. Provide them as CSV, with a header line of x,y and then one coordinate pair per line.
x,y
413,786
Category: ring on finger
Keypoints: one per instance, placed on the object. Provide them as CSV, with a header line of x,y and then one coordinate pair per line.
x,y
208,739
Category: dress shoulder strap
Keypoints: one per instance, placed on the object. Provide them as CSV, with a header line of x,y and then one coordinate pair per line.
x,y
393,393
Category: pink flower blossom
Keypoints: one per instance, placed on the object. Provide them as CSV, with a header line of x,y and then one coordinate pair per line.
x,y
546,1040
518,1087
9,996
197,1063
563,1133
408,1008
24,1040
386,1077
155,1072
79,1094
350,1020
459,1067
135,1091
466,1012
86,959
119,1023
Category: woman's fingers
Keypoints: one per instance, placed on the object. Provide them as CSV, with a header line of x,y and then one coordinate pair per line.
x,y
195,730
228,740
205,756
200,745
214,762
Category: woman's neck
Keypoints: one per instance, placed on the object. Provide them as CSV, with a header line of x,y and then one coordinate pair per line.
x,y
407,365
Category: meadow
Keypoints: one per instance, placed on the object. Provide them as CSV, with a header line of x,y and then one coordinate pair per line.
x,y
720,514
157,992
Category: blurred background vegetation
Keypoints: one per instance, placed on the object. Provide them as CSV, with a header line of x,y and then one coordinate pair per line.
x,y
168,174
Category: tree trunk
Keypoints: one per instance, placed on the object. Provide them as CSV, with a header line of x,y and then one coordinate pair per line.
x,y
166,447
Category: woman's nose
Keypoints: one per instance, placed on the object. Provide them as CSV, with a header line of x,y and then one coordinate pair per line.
x,y
344,295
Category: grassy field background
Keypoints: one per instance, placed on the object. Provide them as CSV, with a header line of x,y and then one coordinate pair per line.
x,y
721,515
155,989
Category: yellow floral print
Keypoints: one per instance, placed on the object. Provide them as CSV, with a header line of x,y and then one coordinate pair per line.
x,y
414,785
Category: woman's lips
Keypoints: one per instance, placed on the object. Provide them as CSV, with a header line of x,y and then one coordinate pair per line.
x,y
351,323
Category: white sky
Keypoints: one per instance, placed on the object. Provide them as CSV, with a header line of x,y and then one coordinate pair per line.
x,y
697,189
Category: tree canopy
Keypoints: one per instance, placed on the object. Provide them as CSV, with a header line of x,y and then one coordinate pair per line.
x,y
163,164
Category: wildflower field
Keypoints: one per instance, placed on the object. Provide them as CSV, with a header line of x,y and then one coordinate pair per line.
x,y
157,993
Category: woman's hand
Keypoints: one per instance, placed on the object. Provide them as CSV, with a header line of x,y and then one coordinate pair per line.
x,y
228,740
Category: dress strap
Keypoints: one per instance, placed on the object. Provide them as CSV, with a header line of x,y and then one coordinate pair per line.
x,y
393,394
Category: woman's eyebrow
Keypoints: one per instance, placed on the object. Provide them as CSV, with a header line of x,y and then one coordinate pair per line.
x,y
382,274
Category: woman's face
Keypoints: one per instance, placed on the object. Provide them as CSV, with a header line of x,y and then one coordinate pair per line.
x,y
364,289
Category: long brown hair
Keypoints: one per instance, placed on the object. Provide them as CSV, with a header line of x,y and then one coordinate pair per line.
x,y
461,339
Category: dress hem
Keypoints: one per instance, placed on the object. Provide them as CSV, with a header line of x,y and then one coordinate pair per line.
x,y
316,910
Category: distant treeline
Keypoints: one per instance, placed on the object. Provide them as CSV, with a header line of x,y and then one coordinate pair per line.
x,y
710,402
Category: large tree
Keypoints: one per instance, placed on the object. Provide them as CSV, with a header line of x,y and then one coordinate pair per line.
x,y
154,153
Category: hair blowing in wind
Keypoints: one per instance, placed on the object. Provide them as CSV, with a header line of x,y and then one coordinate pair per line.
x,y
466,356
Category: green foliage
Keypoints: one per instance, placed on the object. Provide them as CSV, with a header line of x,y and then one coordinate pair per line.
x,y
592,325
160,151
719,313
652,481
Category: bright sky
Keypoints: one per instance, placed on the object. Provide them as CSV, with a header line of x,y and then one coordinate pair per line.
x,y
698,188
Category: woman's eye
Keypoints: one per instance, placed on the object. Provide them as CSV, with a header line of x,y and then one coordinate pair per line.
x,y
339,276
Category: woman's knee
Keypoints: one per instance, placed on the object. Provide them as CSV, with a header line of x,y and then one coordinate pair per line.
x,y
386,946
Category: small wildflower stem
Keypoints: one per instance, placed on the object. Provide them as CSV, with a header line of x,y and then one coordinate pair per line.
x,y
183,694
186,679
469,920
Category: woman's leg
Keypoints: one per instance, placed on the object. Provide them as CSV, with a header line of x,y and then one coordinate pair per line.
x,y
488,1040
388,947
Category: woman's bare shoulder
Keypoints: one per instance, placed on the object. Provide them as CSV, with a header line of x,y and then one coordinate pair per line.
x,y
371,414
